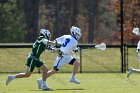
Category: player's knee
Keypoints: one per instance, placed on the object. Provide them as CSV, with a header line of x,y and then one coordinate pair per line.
x,y
54,71
45,70
76,63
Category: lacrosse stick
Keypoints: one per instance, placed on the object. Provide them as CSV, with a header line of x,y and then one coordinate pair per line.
x,y
101,46
136,31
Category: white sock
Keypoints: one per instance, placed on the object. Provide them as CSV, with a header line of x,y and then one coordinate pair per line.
x,y
73,76
40,79
13,77
44,83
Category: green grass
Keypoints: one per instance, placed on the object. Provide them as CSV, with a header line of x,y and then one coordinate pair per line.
x,y
90,83
93,60
13,60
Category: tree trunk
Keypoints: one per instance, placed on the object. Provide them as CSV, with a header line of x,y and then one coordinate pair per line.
x,y
31,10
57,16
92,15
74,12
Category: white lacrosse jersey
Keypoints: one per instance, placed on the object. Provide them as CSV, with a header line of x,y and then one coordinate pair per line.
x,y
68,43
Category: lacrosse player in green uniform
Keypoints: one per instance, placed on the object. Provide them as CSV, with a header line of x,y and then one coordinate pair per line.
x,y
33,60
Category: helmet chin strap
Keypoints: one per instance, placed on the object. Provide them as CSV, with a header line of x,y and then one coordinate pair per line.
x,y
74,36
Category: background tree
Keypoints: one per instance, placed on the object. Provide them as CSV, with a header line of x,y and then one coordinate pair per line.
x,y
11,21
31,11
98,20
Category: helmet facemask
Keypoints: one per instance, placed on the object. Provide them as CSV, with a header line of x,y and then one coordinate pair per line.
x,y
76,32
45,33
78,36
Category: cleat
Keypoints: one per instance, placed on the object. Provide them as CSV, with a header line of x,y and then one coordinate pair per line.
x,y
9,79
130,72
45,88
74,81
39,82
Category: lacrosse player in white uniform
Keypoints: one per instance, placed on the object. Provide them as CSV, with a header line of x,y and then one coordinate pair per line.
x,y
136,32
68,44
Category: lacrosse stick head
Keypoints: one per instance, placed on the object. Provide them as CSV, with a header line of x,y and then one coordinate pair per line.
x,y
136,31
101,46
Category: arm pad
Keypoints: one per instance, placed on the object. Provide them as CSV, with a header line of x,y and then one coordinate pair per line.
x,y
45,41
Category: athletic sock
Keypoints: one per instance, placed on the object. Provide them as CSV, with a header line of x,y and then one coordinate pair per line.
x,y
13,77
40,79
44,83
73,76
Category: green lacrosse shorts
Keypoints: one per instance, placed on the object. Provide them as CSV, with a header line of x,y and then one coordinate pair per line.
x,y
32,63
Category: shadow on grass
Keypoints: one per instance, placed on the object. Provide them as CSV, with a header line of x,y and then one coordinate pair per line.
x,y
42,90
60,89
71,89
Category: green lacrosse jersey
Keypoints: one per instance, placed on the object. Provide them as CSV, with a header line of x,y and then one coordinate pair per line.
x,y
38,47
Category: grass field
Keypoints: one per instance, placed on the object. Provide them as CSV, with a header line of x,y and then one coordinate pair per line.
x,y
90,83
92,60
13,60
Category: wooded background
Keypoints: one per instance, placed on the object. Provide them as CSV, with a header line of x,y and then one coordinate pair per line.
x,y
99,20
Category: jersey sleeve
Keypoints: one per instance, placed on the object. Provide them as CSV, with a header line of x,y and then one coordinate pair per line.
x,y
59,39
75,45
45,41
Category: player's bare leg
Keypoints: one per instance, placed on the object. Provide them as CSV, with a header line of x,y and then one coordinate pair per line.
x,y
44,70
20,75
24,75
132,70
75,69
137,70
42,82
51,72
76,66
47,74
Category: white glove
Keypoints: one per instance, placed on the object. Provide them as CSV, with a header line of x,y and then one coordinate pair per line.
x,y
76,49
136,31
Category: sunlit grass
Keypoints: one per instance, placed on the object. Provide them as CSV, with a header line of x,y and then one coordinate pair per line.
x,y
90,83
13,60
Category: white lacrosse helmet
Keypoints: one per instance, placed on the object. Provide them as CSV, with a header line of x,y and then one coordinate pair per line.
x,y
75,31
136,31
45,33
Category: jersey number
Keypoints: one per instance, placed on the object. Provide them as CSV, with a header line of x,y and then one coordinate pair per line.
x,y
66,42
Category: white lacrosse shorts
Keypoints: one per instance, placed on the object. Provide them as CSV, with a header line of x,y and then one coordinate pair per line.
x,y
61,60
